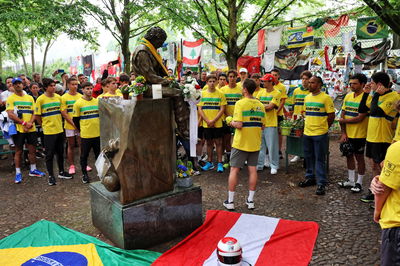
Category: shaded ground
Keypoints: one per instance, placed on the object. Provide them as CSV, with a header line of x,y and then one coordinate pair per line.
x,y
347,233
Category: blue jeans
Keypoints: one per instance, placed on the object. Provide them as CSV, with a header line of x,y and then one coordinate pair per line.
x,y
315,150
270,142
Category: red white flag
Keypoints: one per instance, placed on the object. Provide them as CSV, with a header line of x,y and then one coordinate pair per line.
x,y
261,42
192,52
264,241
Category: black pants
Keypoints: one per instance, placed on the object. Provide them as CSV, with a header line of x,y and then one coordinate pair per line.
x,y
390,248
54,145
86,146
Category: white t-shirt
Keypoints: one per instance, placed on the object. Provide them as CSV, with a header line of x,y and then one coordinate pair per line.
x,y
5,94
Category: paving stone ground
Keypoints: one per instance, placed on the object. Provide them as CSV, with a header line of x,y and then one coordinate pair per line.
x,y
347,236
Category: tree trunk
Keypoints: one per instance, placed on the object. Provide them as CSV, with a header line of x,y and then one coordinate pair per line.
x,y
48,44
33,54
126,53
125,33
21,51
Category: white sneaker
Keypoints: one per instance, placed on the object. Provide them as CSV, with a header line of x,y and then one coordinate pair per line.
x,y
229,205
250,205
274,171
295,159
266,161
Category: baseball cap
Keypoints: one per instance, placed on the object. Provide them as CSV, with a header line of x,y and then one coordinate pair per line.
x,y
243,70
268,77
15,80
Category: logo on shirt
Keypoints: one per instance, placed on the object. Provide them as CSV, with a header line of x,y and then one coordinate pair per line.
x,y
389,168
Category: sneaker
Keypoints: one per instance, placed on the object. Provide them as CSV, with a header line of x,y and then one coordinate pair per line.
x,y
52,181
37,173
196,173
71,170
85,179
346,184
220,168
295,159
64,175
18,178
88,168
39,155
320,190
250,205
229,205
208,166
357,188
308,182
368,198
274,171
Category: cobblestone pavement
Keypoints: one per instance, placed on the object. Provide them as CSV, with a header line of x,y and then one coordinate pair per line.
x,y
347,236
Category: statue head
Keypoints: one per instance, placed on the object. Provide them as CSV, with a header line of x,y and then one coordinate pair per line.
x,y
156,36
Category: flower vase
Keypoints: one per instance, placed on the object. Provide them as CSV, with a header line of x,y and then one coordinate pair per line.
x,y
139,97
184,182
125,96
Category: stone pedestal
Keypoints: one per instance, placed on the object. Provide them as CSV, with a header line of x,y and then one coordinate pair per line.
x,y
146,222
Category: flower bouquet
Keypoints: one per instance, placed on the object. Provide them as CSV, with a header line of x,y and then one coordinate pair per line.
x,y
191,90
184,173
139,86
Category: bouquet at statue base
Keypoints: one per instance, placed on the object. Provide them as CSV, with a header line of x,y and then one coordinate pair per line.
x,y
139,86
184,173
191,90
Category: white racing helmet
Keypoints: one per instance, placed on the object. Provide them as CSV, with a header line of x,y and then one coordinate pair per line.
x,y
229,252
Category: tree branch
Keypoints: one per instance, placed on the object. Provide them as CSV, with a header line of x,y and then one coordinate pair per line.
x,y
206,17
222,36
257,18
146,26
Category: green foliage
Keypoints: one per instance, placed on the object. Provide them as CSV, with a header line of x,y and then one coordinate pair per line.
x,y
57,64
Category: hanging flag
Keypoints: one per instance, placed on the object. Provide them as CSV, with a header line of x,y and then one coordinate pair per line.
x,y
218,50
251,63
300,36
87,62
393,62
192,52
47,243
332,26
372,56
264,241
291,62
273,38
371,28
261,41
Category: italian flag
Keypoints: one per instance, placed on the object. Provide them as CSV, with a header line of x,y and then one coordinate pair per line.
x,y
264,241
192,52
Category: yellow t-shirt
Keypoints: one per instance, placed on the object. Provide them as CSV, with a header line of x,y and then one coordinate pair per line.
x,y
255,93
24,105
380,128
317,109
298,96
282,89
271,116
49,108
390,176
397,134
252,113
351,107
211,103
88,112
67,103
109,95
232,95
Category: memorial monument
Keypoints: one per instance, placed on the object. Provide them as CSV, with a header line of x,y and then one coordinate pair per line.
x,y
137,205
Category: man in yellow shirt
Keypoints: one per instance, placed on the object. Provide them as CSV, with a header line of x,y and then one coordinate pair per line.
x,y
319,116
111,87
20,109
354,124
386,188
257,79
48,114
380,132
248,120
86,117
211,108
270,98
71,132
282,89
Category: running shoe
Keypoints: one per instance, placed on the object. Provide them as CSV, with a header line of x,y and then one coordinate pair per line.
x,y
71,170
88,168
85,179
18,178
52,181
250,205
229,205
64,175
208,166
220,168
37,173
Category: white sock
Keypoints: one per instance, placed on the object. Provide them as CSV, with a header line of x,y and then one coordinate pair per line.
x,y
231,196
18,170
352,175
33,167
251,195
360,179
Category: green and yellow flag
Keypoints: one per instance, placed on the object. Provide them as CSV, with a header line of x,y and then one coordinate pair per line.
x,y
300,36
371,28
47,243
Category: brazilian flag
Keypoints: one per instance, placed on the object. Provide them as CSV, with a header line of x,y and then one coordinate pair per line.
x,y
47,243
371,28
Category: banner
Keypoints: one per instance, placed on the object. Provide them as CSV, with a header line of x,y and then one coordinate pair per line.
x,y
291,62
252,64
261,41
87,62
393,62
192,52
300,36
371,28
273,38
372,55
264,241
332,26
47,243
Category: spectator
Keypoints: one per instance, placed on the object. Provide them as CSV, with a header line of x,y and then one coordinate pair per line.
x,y
257,79
203,79
111,88
243,75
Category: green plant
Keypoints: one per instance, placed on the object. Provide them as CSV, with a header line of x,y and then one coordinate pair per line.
x,y
286,123
139,86
125,89
299,123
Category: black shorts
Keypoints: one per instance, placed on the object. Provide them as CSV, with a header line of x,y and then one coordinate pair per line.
x,y
227,129
390,246
200,132
377,151
358,145
213,133
280,119
21,138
